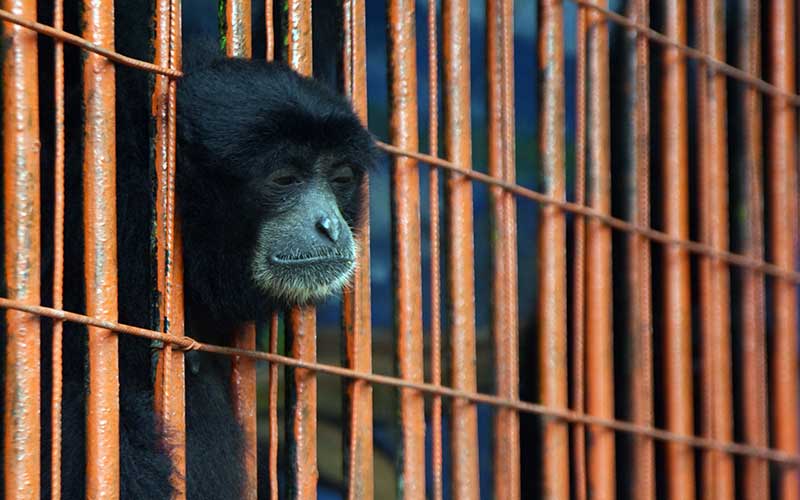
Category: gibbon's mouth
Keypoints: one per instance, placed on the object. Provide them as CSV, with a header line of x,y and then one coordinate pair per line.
x,y
332,258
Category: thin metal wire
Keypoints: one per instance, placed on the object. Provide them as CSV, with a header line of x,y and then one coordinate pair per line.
x,y
187,343
61,35
622,225
713,63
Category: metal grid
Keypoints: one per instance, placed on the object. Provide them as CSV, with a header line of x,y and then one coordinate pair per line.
x,y
577,392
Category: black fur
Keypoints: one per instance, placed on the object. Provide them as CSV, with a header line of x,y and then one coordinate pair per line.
x,y
238,121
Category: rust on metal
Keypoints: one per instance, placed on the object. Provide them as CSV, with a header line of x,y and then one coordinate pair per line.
x,y
58,256
169,401
783,227
403,130
639,318
243,370
21,209
63,36
755,474
698,248
238,28
100,260
505,313
356,301
552,317
714,279
713,63
460,250
437,453
677,307
302,320
299,35
599,333
302,330
579,274
273,409
187,343
270,29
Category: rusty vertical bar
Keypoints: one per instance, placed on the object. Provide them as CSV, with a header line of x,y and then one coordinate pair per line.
x,y
170,401
755,480
552,251
460,248
303,409
238,43
58,256
22,254
238,28
639,320
273,409
402,46
272,403
356,301
599,333
437,453
500,71
270,29
677,315
717,420
782,175
579,264
302,320
100,235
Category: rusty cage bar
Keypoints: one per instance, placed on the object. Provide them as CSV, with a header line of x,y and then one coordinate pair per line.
x,y
659,356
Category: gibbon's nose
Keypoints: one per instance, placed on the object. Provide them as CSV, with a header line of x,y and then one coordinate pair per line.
x,y
329,226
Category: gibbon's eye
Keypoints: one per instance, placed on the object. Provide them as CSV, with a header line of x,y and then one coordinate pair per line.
x,y
343,176
285,178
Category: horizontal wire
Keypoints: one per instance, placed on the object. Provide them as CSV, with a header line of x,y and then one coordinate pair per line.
x,y
622,225
773,455
64,36
713,63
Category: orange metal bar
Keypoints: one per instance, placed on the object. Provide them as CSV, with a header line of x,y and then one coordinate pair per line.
x,y
755,480
552,251
58,257
599,333
437,453
100,226
270,29
359,468
302,321
783,230
238,43
460,249
22,248
715,382
406,238
170,401
579,265
639,320
677,315
238,28
505,313
273,409
274,323
303,404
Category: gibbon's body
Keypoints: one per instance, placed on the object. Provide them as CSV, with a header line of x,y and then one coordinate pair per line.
x,y
268,168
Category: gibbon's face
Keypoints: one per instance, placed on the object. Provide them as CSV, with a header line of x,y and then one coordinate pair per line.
x,y
270,165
